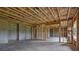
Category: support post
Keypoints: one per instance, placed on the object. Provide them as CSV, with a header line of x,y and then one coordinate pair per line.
x,y
77,43
59,32
17,31
72,31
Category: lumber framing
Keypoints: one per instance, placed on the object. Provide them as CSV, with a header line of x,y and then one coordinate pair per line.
x,y
35,15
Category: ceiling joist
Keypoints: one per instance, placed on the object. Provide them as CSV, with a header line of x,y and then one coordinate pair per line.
x,y
38,15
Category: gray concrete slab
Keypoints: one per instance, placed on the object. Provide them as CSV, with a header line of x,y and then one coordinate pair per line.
x,y
34,45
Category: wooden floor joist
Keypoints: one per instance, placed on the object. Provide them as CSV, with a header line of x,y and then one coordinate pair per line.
x,y
37,15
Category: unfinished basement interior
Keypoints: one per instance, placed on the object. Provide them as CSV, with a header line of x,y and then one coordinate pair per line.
x,y
39,28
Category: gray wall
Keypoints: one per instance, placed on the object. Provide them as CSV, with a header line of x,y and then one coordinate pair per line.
x,y
12,33
25,32
28,33
8,31
3,32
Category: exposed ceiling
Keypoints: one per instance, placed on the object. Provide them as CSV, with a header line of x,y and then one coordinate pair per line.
x,y
38,15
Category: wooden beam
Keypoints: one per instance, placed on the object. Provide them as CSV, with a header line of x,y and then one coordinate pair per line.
x,y
75,13
41,18
37,19
8,14
43,10
11,19
52,13
77,42
41,15
22,14
68,13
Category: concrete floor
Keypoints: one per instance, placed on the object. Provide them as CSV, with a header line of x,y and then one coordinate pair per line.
x,y
34,45
56,39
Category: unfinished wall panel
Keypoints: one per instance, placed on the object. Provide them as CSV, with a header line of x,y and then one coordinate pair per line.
x,y
12,31
3,32
40,32
24,32
21,32
28,32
